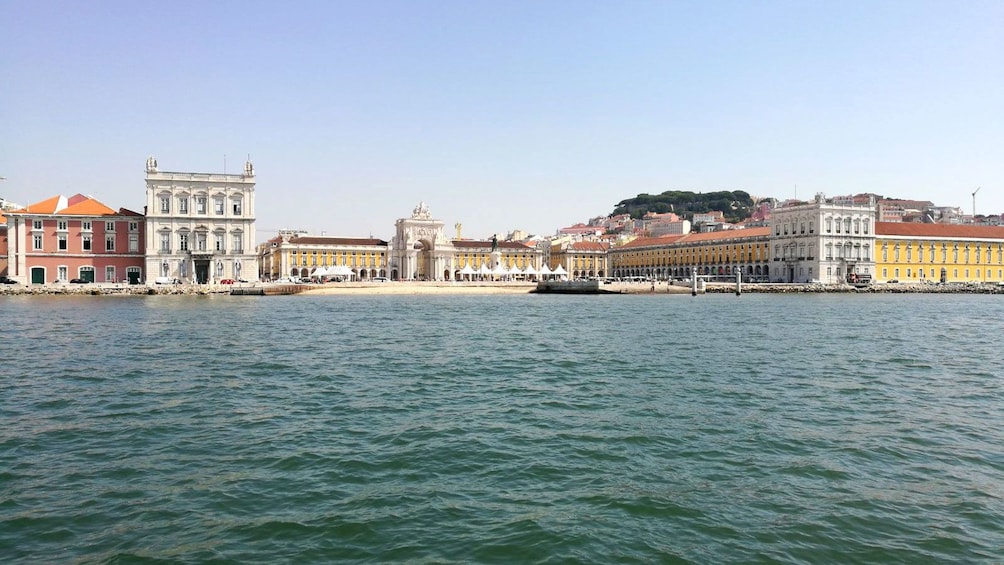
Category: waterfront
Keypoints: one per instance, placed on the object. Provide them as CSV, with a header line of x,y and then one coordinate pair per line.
x,y
510,428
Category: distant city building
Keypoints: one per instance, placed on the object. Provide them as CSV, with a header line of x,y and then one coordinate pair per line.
x,y
580,259
421,250
824,240
939,253
201,226
296,254
74,238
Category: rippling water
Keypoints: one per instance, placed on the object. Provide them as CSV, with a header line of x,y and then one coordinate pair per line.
x,y
761,428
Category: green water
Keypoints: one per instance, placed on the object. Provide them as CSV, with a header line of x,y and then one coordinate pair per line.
x,y
529,429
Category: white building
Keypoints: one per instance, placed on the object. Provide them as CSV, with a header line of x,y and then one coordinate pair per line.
x,y
824,240
200,227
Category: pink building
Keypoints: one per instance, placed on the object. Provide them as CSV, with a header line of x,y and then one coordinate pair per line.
x,y
63,239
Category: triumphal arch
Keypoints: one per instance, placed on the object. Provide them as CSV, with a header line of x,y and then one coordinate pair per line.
x,y
420,249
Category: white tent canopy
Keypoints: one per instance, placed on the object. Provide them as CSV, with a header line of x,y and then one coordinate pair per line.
x,y
560,271
529,270
467,270
545,270
484,270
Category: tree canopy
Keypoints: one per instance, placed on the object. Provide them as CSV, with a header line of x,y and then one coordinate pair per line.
x,y
736,205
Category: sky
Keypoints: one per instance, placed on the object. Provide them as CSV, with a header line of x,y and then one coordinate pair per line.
x,y
502,115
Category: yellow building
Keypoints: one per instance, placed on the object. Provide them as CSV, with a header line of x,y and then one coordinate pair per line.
x,y
299,255
580,259
718,253
913,252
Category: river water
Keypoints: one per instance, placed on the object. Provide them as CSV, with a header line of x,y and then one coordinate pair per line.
x,y
520,428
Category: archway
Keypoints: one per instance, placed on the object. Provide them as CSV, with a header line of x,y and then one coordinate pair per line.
x,y
424,269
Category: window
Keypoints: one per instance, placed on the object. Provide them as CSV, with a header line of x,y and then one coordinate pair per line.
x,y
85,225
812,228
183,205
62,242
86,243
864,225
909,254
218,206
61,272
165,243
847,225
219,242
932,253
895,254
165,204
200,241
885,254
109,274
857,226
838,225
133,243
200,204
183,241
777,229
36,242
238,245
884,274
134,226
237,206
109,226
802,231
109,243
36,224
61,225
955,254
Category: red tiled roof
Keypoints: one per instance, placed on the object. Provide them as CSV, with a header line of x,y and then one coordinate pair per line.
x,y
588,246
910,229
325,240
650,241
471,243
748,233
80,205
47,206
76,205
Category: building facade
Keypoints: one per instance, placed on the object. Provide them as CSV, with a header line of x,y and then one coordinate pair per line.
x,y
939,253
200,226
709,254
76,238
293,254
580,259
826,240
420,250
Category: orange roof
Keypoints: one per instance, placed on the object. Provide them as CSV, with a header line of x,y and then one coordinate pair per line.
x,y
3,219
470,243
87,207
588,246
651,241
910,229
76,205
724,235
49,206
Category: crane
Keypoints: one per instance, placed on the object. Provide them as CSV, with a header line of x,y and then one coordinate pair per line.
x,y
974,202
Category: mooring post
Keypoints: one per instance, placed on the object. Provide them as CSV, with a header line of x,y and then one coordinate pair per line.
x,y
693,284
739,283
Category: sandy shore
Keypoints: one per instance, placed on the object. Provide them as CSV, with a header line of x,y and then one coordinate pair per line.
x,y
402,287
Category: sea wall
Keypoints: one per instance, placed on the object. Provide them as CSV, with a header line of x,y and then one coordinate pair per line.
x,y
110,289
903,288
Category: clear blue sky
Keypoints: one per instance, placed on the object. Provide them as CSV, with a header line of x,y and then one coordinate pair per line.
x,y
502,114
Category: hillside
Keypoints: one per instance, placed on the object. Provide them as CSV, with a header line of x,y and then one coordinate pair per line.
x,y
736,205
